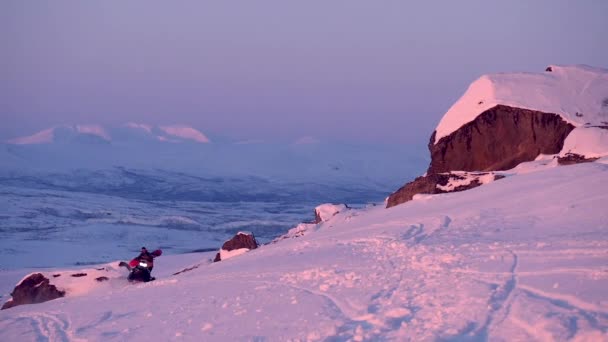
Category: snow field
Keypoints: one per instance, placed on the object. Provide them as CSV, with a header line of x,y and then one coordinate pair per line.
x,y
523,258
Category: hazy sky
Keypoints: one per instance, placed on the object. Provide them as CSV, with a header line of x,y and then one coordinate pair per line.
x,y
368,71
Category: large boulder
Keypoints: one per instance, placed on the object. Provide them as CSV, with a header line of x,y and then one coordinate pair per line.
x,y
241,243
34,289
499,139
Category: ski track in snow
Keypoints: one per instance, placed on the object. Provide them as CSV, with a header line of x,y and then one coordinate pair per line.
x,y
46,326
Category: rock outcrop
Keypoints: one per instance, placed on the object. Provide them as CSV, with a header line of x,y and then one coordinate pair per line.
x,y
242,242
34,289
573,158
439,183
499,139
506,119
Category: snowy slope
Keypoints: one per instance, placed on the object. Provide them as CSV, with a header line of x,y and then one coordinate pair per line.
x,y
578,93
524,258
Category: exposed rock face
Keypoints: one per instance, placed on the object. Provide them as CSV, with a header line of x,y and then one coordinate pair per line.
x,y
574,158
33,289
242,240
439,183
499,139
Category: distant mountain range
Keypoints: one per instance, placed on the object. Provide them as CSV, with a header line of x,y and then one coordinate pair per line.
x,y
101,134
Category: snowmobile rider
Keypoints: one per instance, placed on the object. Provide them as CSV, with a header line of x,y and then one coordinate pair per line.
x,y
147,257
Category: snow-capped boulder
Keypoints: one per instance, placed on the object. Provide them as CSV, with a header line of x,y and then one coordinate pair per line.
x,y
326,211
506,119
33,289
241,243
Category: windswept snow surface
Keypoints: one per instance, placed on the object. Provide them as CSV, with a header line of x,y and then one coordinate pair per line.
x,y
578,93
521,259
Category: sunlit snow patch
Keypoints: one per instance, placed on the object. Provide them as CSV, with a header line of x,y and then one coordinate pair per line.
x,y
184,132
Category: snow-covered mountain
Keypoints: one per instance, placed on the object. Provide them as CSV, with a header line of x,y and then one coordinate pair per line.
x,y
128,132
319,162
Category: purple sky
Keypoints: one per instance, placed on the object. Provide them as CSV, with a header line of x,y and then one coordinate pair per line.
x,y
366,71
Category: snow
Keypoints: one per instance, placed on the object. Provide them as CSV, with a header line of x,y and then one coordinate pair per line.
x,y
578,93
97,130
591,142
185,132
42,137
523,258
62,133
66,133
224,254
145,127
328,210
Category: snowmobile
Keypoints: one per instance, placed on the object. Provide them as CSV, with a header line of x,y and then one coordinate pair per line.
x,y
139,269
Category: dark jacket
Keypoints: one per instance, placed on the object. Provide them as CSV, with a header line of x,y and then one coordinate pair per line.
x,y
146,256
